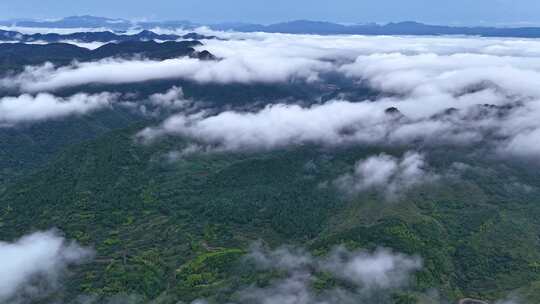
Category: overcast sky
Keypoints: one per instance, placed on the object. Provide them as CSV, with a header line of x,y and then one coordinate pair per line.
x,y
475,12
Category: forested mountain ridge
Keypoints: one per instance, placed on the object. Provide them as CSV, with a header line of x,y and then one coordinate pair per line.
x,y
118,196
14,55
105,36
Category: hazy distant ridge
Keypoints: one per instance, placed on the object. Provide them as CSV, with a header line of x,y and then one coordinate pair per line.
x,y
293,27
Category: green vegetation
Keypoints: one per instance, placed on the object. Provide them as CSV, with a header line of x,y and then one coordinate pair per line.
x,y
177,229
15,56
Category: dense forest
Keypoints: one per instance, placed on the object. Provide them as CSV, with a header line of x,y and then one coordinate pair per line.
x,y
175,219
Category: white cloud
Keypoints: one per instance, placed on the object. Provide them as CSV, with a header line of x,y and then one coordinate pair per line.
x,y
381,269
173,99
366,272
263,57
283,258
331,123
117,71
34,264
422,76
88,45
370,276
387,174
28,108
275,126
524,144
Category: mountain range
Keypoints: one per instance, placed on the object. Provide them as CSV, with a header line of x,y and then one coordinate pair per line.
x,y
293,27
15,55
102,36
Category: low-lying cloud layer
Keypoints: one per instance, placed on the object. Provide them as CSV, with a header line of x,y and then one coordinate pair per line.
x,y
117,71
28,108
439,90
443,90
261,57
507,128
32,266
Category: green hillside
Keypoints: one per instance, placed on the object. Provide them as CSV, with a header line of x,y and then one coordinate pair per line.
x,y
175,229
255,192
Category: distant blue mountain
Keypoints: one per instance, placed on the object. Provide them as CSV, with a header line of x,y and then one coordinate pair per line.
x,y
74,22
292,27
400,28
92,22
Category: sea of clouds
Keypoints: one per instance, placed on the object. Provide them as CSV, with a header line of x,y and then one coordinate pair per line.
x,y
450,90
457,90
431,91
447,90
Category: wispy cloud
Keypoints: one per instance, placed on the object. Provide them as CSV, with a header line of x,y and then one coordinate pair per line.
x,y
28,108
368,274
386,174
32,266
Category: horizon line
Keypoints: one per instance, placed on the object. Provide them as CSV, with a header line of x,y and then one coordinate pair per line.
x,y
135,20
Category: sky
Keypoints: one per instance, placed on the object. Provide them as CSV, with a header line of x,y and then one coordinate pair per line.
x,y
458,12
